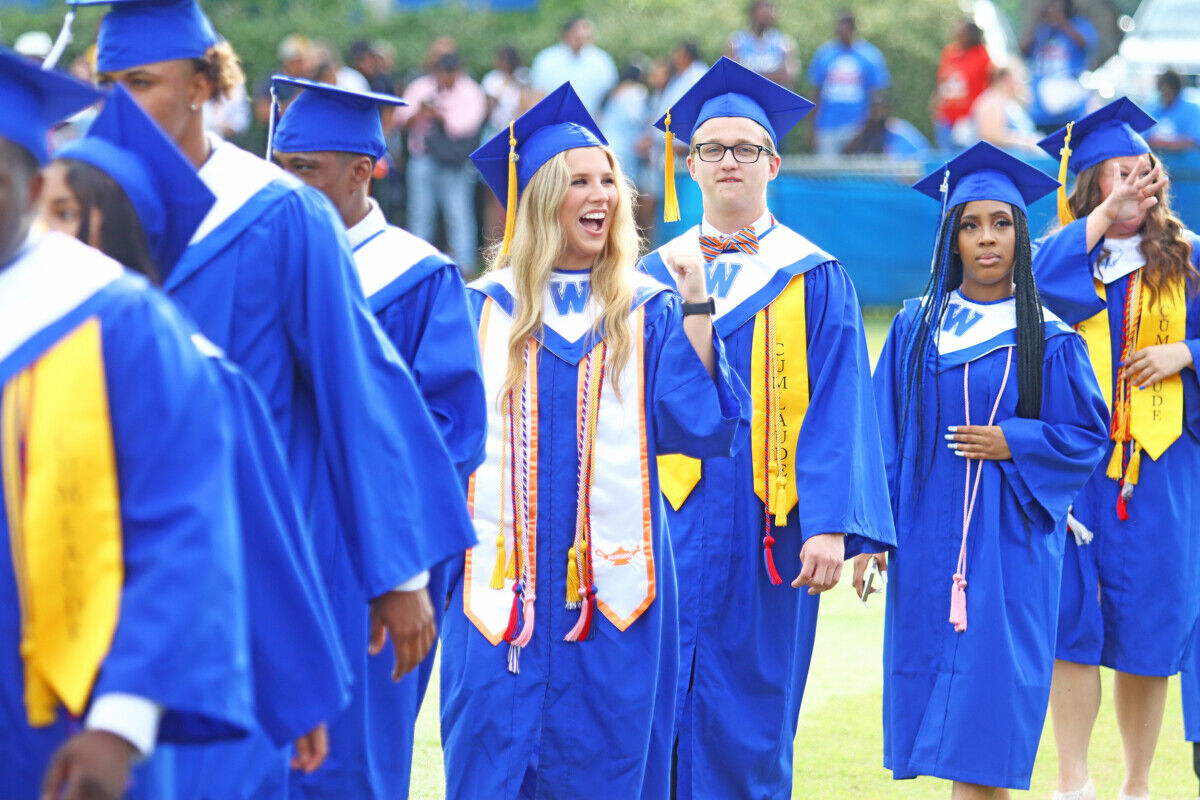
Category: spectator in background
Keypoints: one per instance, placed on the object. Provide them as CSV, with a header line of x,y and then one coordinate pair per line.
x,y
845,72
887,135
650,148
33,45
1178,126
998,116
575,58
508,96
362,56
1058,46
764,48
445,114
229,116
295,61
686,69
623,119
963,74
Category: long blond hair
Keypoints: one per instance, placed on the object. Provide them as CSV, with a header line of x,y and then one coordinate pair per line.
x,y
538,243
1167,250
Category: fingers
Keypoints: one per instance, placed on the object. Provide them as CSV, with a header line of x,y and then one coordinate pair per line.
x,y
378,636
56,775
806,573
303,754
826,577
860,572
881,561
411,650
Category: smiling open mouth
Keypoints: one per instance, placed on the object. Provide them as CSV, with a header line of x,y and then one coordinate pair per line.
x,y
593,221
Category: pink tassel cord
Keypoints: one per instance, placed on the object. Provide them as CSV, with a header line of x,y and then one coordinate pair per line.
x,y
958,593
769,556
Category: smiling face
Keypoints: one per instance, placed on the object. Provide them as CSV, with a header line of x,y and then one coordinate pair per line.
x,y
986,241
587,209
732,190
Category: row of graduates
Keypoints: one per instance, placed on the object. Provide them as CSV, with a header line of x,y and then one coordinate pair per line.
x,y
758,404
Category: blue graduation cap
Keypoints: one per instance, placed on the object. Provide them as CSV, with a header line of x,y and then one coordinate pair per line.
x,y
137,32
985,172
167,194
1110,132
727,90
327,118
35,100
510,158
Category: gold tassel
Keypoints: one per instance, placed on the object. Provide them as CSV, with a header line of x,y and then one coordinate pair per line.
x,y
670,199
510,208
497,581
572,578
780,498
511,572
1114,463
1135,465
1065,216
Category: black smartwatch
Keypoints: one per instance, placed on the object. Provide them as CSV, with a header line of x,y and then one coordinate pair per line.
x,y
709,306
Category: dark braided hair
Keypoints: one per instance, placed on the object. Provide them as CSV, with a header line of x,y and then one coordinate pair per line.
x,y
920,343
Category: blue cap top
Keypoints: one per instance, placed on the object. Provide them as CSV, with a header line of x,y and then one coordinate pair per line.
x,y
138,32
1110,132
730,90
558,122
984,172
35,100
326,118
167,194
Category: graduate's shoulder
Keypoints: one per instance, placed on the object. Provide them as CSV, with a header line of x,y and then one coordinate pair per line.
x,y
395,261
242,172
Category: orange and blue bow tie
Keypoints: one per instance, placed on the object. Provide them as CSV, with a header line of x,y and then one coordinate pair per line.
x,y
745,241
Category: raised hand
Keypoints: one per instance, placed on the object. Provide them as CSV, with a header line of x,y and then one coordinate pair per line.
x,y
1133,195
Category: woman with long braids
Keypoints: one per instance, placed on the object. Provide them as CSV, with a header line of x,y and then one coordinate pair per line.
x,y
991,421
1125,275
561,642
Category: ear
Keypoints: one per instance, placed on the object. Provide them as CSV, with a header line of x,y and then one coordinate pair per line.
x,y
200,89
773,167
361,170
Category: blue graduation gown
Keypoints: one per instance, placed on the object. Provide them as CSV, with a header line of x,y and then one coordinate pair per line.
x,y
301,672
418,297
270,280
181,636
970,706
1147,569
592,717
746,644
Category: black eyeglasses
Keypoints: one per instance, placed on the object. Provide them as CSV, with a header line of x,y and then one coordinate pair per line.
x,y
742,153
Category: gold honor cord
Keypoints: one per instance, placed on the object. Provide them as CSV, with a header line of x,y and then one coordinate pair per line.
x,y
60,482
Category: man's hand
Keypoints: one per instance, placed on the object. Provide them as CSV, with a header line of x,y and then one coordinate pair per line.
x,y
861,563
688,269
821,560
408,618
311,750
1152,364
91,765
978,441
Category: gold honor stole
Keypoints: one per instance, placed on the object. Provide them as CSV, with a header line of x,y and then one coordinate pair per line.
x,y
1151,418
60,494
614,509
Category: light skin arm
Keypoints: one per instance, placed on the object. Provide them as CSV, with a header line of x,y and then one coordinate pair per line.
x,y
688,269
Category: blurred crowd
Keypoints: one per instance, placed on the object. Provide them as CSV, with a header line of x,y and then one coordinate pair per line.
x,y
426,182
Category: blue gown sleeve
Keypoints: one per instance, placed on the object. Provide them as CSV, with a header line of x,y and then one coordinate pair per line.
x,y
401,505
1053,457
839,460
301,674
181,637
889,381
431,326
1062,266
693,414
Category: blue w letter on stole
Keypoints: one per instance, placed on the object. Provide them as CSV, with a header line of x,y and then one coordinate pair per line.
x,y
720,276
570,297
961,318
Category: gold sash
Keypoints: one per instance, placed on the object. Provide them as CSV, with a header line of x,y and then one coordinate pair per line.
x,y
1152,417
60,491
783,388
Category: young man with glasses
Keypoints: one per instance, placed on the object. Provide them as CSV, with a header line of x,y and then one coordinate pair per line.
x,y
807,488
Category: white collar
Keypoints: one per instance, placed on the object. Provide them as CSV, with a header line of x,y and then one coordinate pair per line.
x,y
760,226
368,226
1124,256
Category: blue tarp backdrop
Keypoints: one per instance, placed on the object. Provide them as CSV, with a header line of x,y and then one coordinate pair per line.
x,y
882,230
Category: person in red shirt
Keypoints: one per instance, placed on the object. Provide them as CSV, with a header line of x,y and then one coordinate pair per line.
x,y
961,76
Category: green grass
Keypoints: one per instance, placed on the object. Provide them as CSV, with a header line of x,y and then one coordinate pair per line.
x,y
839,744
